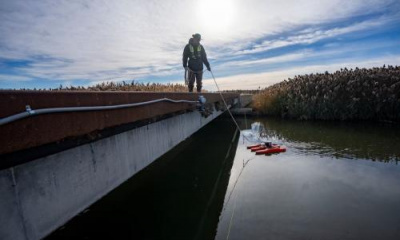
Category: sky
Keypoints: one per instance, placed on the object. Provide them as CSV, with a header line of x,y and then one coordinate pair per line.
x,y
250,44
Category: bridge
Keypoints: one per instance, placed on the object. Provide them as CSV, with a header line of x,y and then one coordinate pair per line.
x,y
61,151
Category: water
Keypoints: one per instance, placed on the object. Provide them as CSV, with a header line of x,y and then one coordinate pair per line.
x,y
179,196
336,181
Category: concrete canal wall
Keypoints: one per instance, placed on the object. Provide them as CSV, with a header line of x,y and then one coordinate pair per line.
x,y
40,195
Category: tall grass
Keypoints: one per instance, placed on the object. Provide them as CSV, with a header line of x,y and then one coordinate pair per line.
x,y
120,86
359,94
132,86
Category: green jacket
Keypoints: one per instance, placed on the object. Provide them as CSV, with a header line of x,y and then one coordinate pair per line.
x,y
196,55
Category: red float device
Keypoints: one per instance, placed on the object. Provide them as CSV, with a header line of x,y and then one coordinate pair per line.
x,y
253,149
274,149
252,146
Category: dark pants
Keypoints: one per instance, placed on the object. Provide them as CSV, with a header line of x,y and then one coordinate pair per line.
x,y
198,76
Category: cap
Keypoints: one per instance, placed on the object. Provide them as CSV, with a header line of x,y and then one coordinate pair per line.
x,y
197,35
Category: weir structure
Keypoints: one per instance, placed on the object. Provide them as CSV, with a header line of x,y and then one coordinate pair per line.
x,y
54,165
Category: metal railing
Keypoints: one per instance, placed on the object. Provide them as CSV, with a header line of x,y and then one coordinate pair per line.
x,y
33,112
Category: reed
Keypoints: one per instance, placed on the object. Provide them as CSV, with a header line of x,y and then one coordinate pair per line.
x,y
128,86
348,94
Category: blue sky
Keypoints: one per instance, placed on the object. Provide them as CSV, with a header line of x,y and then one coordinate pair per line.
x,y
250,43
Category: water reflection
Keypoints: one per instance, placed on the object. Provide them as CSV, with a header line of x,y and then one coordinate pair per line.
x,y
180,196
371,141
212,187
306,193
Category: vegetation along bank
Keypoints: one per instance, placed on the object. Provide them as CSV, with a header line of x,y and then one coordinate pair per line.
x,y
123,86
359,94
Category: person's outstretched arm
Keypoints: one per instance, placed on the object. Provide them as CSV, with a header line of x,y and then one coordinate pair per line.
x,y
204,58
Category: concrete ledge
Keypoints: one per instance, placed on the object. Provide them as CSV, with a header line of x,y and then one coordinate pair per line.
x,y
49,128
40,196
245,100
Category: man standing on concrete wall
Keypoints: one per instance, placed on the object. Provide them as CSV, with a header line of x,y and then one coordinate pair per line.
x,y
197,56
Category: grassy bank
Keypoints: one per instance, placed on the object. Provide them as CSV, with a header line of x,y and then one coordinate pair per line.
x,y
359,94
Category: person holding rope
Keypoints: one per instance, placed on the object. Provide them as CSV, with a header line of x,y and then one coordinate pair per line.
x,y
196,54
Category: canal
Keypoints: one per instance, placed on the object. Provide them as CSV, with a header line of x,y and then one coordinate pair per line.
x,y
335,181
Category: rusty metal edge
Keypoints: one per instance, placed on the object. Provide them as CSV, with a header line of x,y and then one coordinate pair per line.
x,y
26,155
24,137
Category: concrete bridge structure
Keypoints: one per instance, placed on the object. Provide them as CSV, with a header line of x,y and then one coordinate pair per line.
x,y
54,165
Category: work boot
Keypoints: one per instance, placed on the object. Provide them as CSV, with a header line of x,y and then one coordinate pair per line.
x,y
190,89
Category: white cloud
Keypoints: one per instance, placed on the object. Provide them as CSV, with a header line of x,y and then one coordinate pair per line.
x,y
13,78
309,36
305,57
265,79
94,40
262,61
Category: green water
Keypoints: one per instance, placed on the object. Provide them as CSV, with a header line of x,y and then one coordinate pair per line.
x,y
336,181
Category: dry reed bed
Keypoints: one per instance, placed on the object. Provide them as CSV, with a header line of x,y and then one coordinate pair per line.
x,y
359,94
132,86
123,86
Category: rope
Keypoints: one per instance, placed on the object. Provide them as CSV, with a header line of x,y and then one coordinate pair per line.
x,y
217,182
237,180
244,163
235,198
231,220
226,105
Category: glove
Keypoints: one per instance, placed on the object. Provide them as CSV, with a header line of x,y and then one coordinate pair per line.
x,y
209,69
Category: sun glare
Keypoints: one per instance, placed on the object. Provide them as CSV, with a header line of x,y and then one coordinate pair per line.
x,y
216,15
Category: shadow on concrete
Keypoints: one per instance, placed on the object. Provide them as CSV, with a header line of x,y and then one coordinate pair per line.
x,y
179,196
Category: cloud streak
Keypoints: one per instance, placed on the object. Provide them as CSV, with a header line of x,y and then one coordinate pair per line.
x,y
99,40
309,36
265,79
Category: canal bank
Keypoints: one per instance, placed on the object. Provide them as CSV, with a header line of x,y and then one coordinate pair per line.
x,y
336,181
179,196
69,149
